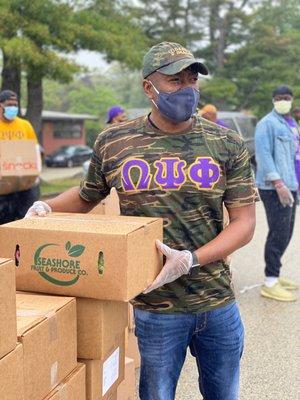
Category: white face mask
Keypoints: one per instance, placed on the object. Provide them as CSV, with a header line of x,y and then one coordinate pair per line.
x,y
283,106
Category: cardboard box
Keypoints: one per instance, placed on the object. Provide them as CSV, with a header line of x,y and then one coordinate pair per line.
x,y
46,327
104,376
99,209
132,348
8,320
84,255
131,343
20,165
131,322
72,387
11,375
113,396
99,326
126,389
109,206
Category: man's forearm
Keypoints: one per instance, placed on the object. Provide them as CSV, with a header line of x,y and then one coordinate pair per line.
x,y
237,234
70,201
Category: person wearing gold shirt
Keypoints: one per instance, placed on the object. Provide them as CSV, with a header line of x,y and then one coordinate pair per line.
x,y
13,206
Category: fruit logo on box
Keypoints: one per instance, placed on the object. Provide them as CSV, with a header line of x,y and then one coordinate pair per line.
x,y
54,269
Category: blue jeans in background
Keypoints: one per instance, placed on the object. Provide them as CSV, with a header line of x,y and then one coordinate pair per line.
x,y
215,339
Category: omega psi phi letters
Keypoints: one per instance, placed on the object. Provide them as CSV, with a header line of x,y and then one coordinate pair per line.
x,y
171,173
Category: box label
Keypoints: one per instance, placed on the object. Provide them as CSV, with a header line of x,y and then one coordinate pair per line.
x,y
110,371
58,270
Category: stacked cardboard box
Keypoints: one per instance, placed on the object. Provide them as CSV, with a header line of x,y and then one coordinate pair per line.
x,y
72,387
104,376
78,255
11,354
11,375
131,343
46,328
101,344
126,390
94,256
8,321
100,324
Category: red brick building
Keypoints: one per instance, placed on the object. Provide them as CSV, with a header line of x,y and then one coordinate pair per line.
x,y
61,129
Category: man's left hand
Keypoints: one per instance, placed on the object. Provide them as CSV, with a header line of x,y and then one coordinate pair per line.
x,y
178,263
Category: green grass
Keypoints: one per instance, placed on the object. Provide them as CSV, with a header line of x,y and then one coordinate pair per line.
x,y
58,185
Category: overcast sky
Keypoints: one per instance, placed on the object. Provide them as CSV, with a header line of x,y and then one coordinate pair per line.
x,y
91,60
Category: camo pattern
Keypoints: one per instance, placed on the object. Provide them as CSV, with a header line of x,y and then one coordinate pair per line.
x,y
163,54
184,179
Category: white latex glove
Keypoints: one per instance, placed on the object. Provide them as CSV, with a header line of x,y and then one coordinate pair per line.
x,y
178,263
285,196
39,208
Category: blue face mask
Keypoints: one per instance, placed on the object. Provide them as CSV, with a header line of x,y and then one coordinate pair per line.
x,y
10,112
178,106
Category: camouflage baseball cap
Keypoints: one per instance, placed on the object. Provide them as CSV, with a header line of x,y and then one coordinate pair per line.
x,y
170,58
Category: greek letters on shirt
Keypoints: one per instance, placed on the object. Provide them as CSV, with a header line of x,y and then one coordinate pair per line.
x,y
171,173
12,135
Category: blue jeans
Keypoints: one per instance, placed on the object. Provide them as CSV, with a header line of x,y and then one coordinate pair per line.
x,y
281,221
215,339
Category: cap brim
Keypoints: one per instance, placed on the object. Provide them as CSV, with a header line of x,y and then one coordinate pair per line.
x,y
178,66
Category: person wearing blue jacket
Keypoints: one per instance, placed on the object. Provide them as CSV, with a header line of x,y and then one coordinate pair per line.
x,y
276,141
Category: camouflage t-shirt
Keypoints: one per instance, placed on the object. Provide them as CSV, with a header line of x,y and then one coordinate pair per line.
x,y
184,179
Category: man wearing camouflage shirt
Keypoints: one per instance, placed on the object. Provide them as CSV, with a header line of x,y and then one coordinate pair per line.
x,y
173,165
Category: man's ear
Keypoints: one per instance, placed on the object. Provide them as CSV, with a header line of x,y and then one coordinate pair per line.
x,y
148,89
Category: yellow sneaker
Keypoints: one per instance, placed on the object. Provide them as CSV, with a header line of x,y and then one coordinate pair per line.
x,y
288,284
277,292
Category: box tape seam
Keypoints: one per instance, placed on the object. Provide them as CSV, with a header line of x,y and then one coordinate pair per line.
x,y
50,315
62,391
23,312
93,221
54,374
53,327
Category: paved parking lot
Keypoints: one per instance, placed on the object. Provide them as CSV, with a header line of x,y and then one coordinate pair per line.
x,y
271,361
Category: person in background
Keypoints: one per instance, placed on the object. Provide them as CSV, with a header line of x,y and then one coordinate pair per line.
x,y
276,141
116,115
209,112
13,206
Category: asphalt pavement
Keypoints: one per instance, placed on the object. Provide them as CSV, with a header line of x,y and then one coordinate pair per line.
x,y
271,361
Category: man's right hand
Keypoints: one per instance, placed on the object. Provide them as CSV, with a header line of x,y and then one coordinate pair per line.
x,y
285,196
39,208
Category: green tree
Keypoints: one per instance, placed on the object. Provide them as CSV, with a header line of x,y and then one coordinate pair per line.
x,y
171,20
219,91
212,29
30,41
209,27
86,95
127,84
36,37
269,57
